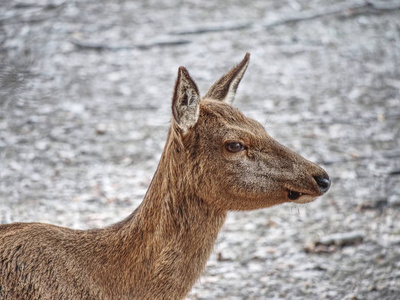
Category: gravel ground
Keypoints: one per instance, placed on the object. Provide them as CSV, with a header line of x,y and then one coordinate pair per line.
x,y
85,89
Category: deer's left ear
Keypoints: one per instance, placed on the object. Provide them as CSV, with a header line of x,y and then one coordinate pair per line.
x,y
185,101
225,88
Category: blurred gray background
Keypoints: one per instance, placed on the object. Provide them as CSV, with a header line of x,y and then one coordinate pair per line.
x,y
85,91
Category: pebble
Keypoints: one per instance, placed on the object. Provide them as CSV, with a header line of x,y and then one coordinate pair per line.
x,y
101,129
342,239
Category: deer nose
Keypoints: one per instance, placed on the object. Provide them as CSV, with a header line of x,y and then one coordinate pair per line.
x,y
324,183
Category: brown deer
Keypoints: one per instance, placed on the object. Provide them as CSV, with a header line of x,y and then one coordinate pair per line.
x,y
215,160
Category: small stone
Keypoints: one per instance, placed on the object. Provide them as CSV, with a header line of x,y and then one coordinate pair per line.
x,y
101,128
394,200
350,297
342,239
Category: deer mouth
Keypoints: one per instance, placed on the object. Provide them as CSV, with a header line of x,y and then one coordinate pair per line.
x,y
323,184
299,197
292,195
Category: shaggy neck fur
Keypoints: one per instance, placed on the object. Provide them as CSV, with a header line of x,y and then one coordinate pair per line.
x,y
173,250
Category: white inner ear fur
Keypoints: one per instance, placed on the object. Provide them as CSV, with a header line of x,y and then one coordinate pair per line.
x,y
190,112
230,96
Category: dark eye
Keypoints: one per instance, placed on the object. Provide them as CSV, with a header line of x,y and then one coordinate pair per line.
x,y
234,147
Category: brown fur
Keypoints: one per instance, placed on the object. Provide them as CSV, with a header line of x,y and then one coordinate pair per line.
x,y
160,250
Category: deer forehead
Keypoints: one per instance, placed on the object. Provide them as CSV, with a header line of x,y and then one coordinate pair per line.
x,y
233,124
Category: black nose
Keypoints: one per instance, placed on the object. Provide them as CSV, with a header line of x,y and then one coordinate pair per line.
x,y
323,183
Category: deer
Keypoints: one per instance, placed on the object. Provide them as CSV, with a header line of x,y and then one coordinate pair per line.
x,y
215,160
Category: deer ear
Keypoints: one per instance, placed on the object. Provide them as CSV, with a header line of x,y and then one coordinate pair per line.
x,y
225,88
185,101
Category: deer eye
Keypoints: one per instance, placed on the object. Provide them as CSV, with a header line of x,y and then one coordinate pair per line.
x,y
234,147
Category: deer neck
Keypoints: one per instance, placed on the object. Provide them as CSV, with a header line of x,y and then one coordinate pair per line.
x,y
174,229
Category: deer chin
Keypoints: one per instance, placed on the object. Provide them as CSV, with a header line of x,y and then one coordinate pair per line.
x,y
300,198
305,199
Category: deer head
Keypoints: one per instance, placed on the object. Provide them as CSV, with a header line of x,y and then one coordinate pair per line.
x,y
230,160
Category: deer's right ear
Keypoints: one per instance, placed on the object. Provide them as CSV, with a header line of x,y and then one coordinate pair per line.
x,y
225,88
185,101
